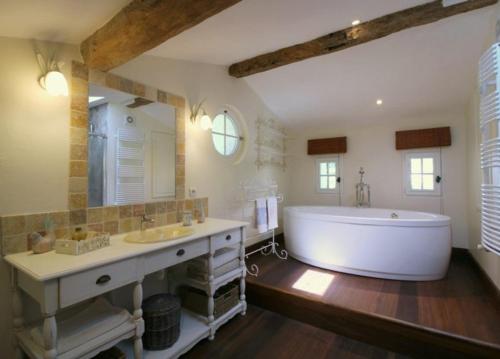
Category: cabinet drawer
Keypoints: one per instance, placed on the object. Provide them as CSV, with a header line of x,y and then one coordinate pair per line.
x,y
174,255
226,239
84,285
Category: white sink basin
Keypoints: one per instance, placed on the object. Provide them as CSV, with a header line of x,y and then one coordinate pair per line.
x,y
159,234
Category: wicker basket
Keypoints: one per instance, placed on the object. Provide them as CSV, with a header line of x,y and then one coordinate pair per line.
x,y
162,316
225,298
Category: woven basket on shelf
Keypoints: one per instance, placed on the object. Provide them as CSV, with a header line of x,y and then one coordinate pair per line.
x,y
162,314
225,298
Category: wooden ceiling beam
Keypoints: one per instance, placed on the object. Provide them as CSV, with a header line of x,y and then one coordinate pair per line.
x,y
142,25
355,35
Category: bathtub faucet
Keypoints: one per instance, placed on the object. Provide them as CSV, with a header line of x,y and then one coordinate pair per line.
x,y
362,191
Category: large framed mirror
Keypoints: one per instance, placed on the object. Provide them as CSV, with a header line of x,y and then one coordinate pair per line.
x,y
127,142
131,149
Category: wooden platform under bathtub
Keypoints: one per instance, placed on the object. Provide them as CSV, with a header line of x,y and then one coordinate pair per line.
x,y
457,317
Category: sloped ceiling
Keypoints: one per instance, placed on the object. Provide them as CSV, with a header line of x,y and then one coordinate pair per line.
x,y
426,69
254,27
417,71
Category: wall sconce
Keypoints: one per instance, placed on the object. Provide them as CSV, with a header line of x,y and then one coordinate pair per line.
x,y
199,113
52,80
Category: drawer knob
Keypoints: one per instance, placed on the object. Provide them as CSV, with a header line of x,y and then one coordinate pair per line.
x,y
103,279
180,252
228,237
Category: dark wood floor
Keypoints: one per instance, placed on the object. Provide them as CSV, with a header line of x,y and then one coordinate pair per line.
x,y
264,334
461,310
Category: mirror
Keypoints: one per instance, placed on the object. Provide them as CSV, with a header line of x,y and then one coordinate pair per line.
x,y
131,149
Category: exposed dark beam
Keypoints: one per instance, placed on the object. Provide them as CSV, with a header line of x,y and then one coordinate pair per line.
x,y
143,25
355,35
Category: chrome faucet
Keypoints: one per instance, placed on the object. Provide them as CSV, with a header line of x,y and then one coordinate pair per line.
x,y
362,191
145,219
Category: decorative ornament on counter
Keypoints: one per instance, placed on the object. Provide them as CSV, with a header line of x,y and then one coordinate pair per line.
x,y
42,242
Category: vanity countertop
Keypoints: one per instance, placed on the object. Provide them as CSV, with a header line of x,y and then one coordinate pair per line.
x,y
50,265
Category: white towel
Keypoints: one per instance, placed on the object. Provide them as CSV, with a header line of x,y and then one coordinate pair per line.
x,y
272,212
95,320
261,215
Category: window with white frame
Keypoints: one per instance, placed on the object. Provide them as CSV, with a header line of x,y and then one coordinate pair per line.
x,y
225,134
328,175
423,173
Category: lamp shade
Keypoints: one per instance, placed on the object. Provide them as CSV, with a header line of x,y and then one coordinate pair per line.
x,y
55,83
205,122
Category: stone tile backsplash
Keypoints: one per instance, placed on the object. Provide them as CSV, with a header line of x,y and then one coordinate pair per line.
x,y
14,230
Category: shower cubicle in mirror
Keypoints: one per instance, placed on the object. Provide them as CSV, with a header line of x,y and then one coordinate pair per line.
x,y
131,149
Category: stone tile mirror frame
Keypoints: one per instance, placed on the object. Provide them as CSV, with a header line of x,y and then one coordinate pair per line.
x,y
81,77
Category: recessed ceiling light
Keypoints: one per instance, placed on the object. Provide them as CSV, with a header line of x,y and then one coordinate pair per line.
x,y
379,102
356,22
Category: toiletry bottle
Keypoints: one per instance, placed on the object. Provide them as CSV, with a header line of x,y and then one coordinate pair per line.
x,y
187,219
201,214
50,232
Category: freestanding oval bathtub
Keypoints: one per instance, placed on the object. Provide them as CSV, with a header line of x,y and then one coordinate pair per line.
x,y
382,243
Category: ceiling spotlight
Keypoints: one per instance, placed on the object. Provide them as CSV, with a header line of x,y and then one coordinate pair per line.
x,y
356,22
379,102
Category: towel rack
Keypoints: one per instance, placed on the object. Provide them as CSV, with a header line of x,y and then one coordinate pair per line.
x,y
251,193
130,172
489,123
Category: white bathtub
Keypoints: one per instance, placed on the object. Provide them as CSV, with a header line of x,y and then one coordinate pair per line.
x,y
368,242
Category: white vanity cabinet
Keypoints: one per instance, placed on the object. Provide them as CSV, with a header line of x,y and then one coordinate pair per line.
x,y
57,281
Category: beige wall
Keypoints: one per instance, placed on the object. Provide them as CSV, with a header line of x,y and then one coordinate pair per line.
x,y
211,174
34,144
34,150
488,261
373,147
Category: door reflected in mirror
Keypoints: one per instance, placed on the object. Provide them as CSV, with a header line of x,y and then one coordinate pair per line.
x,y
131,149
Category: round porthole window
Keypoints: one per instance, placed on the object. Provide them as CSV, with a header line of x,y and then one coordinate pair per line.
x,y
225,134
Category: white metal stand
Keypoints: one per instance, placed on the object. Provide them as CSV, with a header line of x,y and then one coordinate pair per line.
x,y
252,191
270,248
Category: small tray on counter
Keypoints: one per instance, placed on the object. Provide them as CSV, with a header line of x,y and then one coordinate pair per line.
x,y
75,247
